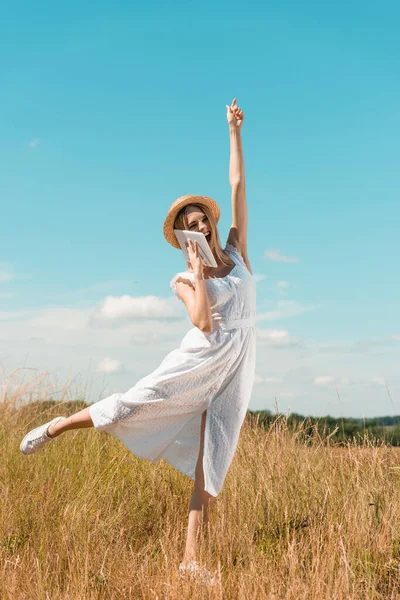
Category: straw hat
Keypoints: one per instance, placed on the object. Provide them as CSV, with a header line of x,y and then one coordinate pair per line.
x,y
178,205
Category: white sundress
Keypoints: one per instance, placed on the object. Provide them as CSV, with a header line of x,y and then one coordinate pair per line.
x,y
160,416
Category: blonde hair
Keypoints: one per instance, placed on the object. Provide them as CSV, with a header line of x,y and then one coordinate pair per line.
x,y
181,222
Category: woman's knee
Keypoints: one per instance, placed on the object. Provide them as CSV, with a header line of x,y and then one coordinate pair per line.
x,y
203,496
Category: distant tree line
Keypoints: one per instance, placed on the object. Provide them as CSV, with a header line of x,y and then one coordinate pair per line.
x,y
337,429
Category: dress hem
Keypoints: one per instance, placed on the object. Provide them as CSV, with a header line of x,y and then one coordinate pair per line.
x,y
98,419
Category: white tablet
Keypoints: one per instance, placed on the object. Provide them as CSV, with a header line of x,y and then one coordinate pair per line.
x,y
206,256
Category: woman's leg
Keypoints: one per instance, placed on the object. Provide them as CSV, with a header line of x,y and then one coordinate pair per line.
x,y
76,421
199,504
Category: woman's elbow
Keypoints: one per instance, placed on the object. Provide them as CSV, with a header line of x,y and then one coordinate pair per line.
x,y
237,183
205,327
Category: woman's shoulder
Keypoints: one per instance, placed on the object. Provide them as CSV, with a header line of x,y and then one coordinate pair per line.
x,y
181,276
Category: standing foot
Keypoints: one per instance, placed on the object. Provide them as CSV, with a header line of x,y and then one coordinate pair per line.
x,y
194,570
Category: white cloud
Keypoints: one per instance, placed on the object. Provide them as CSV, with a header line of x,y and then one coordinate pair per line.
x,y
61,318
34,143
276,256
286,394
109,365
259,379
81,327
259,277
6,276
275,337
372,346
367,345
273,380
329,379
275,334
324,380
112,311
17,315
125,307
62,341
283,284
147,336
396,336
101,288
286,309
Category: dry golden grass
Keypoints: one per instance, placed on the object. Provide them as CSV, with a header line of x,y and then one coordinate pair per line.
x,y
84,518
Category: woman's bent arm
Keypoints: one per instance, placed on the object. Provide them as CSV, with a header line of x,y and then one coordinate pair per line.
x,y
196,302
203,316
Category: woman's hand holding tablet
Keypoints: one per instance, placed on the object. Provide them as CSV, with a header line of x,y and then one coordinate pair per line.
x,y
183,236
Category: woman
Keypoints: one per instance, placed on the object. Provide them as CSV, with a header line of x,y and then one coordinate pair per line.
x,y
190,410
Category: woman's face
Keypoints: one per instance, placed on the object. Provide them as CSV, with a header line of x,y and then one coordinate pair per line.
x,y
198,221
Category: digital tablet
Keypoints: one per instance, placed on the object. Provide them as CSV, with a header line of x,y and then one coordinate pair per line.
x,y
205,253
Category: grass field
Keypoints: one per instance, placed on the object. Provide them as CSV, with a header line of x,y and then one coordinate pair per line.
x,y
84,518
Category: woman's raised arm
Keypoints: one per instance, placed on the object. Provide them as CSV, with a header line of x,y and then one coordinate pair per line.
x,y
238,232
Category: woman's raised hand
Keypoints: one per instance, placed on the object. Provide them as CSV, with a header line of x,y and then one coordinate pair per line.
x,y
235,115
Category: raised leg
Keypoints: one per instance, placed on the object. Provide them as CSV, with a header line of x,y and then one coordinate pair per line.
x,y
78,420
200,504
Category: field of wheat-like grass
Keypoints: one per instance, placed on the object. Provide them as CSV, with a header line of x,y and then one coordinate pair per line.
x,y
298,517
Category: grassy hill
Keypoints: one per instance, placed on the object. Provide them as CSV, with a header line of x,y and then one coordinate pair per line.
x,y
303,514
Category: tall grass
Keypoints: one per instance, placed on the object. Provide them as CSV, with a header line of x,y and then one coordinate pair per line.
x,y
298,517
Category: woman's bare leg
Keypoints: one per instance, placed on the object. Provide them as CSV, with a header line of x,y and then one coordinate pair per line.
x,y
200,504
76,421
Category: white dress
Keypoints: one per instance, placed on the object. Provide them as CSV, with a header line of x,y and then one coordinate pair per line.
x,y
160,416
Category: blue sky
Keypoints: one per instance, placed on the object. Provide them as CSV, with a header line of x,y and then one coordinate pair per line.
x,y
110,112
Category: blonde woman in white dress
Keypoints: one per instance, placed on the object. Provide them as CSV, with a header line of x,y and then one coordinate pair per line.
x,y
190,410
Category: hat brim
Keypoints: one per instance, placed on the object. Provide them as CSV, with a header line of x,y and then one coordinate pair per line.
x,y
180,203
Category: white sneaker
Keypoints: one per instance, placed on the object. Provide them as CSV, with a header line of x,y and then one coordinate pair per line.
x,y
35,439
194,570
